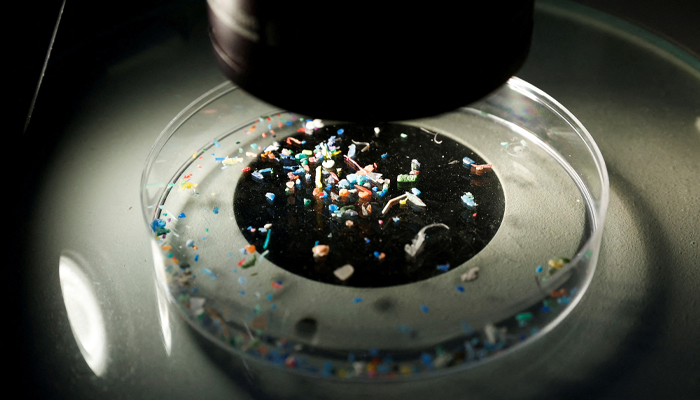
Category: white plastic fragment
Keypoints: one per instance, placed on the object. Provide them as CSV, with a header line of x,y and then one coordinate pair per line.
x,y
490,332
344,272
197,305
391,202
417,242
415,200
470,275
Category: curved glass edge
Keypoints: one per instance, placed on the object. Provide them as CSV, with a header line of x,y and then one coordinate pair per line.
x,y
601,204
170,129
577,10
586,255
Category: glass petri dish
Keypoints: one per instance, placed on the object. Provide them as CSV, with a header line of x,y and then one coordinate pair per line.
x,y
484,244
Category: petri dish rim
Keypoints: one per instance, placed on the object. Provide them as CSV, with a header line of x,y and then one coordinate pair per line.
x,y
521,87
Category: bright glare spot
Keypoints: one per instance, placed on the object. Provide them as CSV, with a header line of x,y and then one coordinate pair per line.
x,y
84,314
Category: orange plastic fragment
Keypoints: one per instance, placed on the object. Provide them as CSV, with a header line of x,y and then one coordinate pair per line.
x,y
250,248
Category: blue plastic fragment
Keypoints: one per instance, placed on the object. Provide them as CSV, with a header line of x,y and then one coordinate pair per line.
x,y
216,210
444,267
424,308
416,191
196,257
460,288
242,280
266,171
267,239
158,223
468,201
351,151
270,197
466,328
357,300
189,243
182,215
539,269
385,155
341,131
333,208
467,162
257,176
427,360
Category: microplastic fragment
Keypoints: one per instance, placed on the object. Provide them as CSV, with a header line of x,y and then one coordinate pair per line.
x,y
249,263
444,267
417,242
320,250
267,239
470,275
344,272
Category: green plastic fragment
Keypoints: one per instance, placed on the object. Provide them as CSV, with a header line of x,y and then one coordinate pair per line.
x,y
523,316
249,263
307,202
406,178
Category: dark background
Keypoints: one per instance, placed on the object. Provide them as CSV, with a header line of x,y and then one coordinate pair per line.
x,y
93,35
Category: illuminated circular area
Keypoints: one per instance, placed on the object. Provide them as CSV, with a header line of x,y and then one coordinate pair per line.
x,y
369,205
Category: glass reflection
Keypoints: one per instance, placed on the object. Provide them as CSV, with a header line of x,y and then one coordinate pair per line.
x,y
164,317
84,314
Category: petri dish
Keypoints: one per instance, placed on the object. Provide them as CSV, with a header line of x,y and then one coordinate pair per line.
x,y
374,251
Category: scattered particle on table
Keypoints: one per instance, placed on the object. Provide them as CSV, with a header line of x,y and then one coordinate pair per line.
x,y
471,274
215,210
196,257
242,280
357,300
249,263
424,308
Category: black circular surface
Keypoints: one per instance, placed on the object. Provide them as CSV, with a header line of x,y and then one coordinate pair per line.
x,y
442,181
